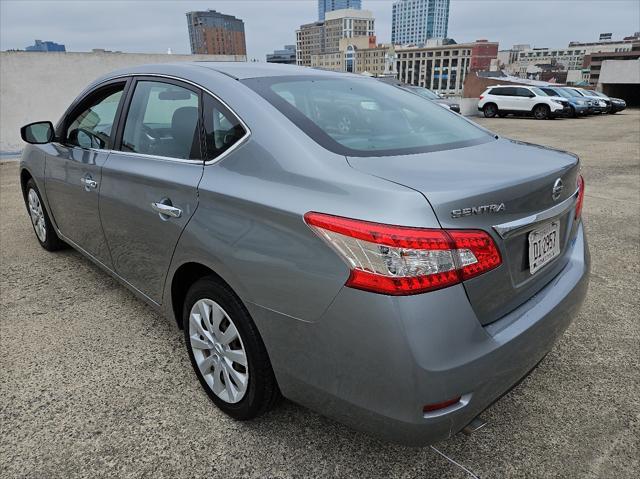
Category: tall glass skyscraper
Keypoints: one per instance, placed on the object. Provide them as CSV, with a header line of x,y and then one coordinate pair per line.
x,y
415,21
325,6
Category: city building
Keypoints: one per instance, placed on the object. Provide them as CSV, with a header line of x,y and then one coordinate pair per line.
x,y
324,37
443,66
325,6
570,58
286,56
215,33
594,61
46,46
413,22
358,55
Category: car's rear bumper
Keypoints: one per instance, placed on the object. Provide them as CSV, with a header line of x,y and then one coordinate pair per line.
x,y
374,361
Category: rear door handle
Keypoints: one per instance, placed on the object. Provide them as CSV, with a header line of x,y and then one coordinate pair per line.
x,y
166,210
89,183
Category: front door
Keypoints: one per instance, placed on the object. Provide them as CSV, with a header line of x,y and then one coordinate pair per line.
x,y
73,168
149,186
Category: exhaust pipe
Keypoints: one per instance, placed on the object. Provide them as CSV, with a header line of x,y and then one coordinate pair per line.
x,y
475,425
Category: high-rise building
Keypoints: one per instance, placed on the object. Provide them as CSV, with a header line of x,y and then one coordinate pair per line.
x,y
415,21
215,33
324,37
40,46
325,6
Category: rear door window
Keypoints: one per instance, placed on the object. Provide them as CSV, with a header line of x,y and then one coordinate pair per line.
x,y
163,120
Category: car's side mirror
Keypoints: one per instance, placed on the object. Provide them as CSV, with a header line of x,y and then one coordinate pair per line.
x,y
38,133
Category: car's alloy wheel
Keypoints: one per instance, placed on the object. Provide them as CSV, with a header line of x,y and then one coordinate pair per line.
x,y
37,215
218,351
541,112
42,225
490,110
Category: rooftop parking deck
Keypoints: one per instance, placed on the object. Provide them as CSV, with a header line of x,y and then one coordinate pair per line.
x,y
94,383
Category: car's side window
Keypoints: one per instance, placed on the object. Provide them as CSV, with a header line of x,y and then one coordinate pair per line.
x,y
222,128
497,91
91,127
524,92
163,120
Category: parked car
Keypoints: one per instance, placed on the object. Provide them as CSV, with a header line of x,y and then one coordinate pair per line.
x,y
399,276
591,102
502,100
600,105
578,105
617,104
423,92
430,95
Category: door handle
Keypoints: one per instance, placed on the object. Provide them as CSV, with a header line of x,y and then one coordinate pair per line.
x,y
166,210
89,183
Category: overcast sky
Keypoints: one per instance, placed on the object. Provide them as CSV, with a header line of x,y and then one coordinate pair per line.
x,y
153,26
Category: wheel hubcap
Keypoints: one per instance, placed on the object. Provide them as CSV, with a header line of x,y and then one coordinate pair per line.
x,y
37,215
218,351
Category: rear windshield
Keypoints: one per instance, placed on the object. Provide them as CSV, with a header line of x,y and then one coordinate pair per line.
x,y
364,117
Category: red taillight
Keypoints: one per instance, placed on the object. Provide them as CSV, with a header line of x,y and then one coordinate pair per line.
x,y
399,260
441,405
481,97
580,196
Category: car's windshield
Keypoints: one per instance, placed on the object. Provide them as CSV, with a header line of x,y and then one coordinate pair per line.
x,y
423,92
362,117
601,95
538,91
570,92
562,93
586,93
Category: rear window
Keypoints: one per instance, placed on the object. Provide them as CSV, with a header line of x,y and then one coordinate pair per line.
x,y
363,117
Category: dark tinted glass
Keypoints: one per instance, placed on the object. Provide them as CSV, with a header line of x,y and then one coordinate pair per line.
x,y
364,117
523,92
222,128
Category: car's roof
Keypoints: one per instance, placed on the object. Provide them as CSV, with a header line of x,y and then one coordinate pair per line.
x,y
244,70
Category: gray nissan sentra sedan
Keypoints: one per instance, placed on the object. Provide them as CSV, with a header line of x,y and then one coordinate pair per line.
x,y
321,236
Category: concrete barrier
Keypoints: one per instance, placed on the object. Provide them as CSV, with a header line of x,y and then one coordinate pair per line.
x,y
40,86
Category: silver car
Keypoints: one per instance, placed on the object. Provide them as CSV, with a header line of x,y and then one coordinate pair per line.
x,y
321,236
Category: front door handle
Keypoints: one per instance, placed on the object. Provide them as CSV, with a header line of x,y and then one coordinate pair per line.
x,y
89,183
166,210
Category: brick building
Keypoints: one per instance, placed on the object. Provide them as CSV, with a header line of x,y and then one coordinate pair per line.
x,y
215,33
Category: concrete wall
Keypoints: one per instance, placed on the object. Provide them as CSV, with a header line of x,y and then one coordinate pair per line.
x,y
40,86
620,71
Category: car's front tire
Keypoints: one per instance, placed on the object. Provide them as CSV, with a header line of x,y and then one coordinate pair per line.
x,y
42,227
490,110
541,112
226,351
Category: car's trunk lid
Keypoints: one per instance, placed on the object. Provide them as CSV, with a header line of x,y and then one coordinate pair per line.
x,y
483,187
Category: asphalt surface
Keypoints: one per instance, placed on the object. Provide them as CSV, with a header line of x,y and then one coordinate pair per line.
x,y
93,383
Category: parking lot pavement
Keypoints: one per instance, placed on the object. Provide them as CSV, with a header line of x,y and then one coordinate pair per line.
x,y
94,383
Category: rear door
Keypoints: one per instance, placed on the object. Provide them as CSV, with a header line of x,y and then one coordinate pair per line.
x,y
74,169
149,185
507,98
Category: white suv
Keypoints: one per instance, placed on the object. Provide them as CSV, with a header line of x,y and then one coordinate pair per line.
x,y
502,100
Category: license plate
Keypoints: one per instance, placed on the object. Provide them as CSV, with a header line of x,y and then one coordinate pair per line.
x,y
544,245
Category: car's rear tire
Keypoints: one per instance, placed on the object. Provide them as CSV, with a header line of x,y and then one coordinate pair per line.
x,y
42,226
541,112
226,351
490,110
